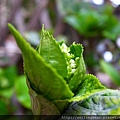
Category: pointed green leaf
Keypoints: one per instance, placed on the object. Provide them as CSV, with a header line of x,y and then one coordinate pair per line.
x,y
89,85
43,78
106,102
49,49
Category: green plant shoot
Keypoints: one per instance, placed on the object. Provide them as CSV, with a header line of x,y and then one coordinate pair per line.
x,y
57,80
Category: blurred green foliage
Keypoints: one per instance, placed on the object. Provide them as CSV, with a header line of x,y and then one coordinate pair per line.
x,y
12,84
111,71
7,78
91,23
21,91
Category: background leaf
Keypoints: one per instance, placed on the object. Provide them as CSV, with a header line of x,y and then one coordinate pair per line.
x,y
7,77
111,71
3,108
21,90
